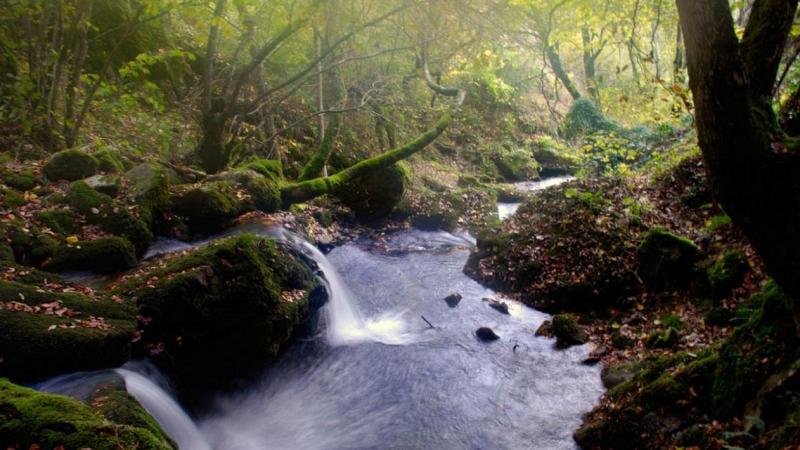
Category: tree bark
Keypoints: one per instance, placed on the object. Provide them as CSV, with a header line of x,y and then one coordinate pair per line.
x,y
751,173
679,62
589,70
555,63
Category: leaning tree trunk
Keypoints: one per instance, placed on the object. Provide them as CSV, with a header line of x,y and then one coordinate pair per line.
x,y
753,175
555,63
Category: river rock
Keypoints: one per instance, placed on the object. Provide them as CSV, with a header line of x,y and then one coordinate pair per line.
x,y
71,164
486,334
220,311
567,331
453,299
498,305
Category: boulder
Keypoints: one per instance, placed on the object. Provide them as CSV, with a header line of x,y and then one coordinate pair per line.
x,y
104,255
60,221
224,309
32,419
70,165
29,245
664,339
567,331
665,259
207,207
486,334
262,192
375,195
22,180
552,164
516,165
148,187
47,332
270,168
452,300
109,161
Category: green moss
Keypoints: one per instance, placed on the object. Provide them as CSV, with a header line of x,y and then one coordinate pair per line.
x,y
566,329
32,419
727,272
665,259
375,195
109,161
270,168
323,217
112,401
29,244
584,117
207,207
106,184
61,221
10,198
23,180
112,217
224,297
70,165
104,255
262,193
516,165
31,350
664,339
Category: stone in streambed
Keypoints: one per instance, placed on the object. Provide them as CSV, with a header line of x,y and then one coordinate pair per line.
x,y
486,334
565,328
452,300
497,304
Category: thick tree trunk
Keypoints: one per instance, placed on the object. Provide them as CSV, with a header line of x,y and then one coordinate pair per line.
x,y
213,151
589,70
679,62
752,174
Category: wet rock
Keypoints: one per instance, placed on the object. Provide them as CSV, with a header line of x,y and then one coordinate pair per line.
x,y
375,195
516,165
486,334
545,329
498,305
567,331
453,299
615,375
104,255
207,207
595,356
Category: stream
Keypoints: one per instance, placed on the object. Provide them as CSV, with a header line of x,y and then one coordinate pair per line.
x,y
377,376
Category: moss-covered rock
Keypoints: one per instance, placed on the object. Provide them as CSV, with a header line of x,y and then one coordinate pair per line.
x,y
149,188
549,153
30,245
224,309
9,198
48,332
31,419
110,161
262,192
113,217
727,272
207,207
23,180
666,259
429,210
664,339
104,255
70,165
375,195
60,221
567,331
516,165
270,168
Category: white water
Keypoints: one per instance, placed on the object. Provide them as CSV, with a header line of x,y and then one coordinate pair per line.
x,y
345,323
507,209
160,404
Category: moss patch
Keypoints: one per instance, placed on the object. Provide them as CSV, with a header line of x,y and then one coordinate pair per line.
x,y
70,165
104,255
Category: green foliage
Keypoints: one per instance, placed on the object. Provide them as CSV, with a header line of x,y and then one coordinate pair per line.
x,y
585,118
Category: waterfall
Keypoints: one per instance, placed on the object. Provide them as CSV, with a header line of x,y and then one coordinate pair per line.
x,y
345,323
161,405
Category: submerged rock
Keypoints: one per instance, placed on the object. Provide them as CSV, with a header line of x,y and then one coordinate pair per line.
x,y
486,334
222,310
453,300
34,419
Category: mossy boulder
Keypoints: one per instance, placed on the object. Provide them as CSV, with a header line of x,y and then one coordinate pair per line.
x,y
261,193
110,161
46,332
549,153
106,184
10,198
104,255
30,245
31,419
375,195
71,164
113,217
224,309
516,165
270,168
61,221
664,339
207,207
727,272
435,210
23,180
567,331
666,259
149,188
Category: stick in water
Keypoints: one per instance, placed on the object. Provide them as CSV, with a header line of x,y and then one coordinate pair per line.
x,y
426,321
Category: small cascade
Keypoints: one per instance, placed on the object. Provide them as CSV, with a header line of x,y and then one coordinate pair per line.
x,y
345,323
156,399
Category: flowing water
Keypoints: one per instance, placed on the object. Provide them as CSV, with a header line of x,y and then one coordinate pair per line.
x,y
507,209
378,376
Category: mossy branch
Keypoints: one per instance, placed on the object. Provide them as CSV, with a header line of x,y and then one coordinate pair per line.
x,y
306,190
317,162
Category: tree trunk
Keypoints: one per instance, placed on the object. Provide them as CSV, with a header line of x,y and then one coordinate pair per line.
x,y
588,66
679,62
213,151
751,173
555,63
